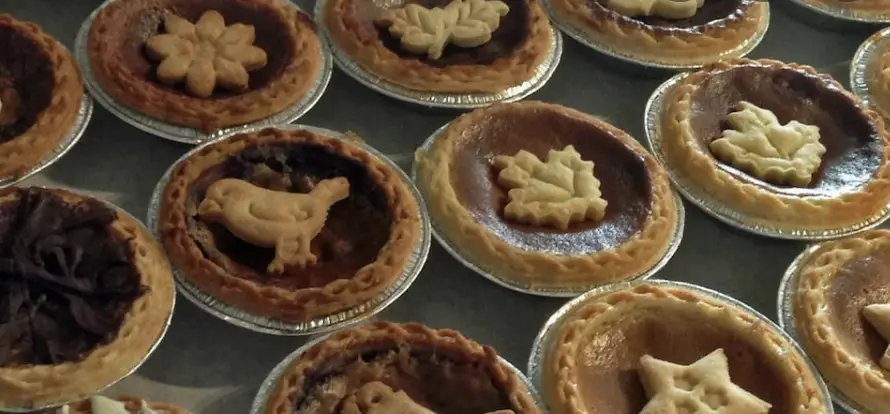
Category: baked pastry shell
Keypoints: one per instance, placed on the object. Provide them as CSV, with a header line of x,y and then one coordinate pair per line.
x,y
870,72
845,11
132,403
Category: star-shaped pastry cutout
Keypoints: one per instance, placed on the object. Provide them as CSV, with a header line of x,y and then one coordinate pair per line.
x,y
878,315
701,388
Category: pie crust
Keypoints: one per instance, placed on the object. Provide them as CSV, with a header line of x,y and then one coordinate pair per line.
x,y
135,89
504,72
635,255
133,404
42,385
453,344
862,381
879,88
862,8
294,305
56,121
768,206
697,45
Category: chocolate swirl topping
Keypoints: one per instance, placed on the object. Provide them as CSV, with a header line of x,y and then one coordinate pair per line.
x,y
66,281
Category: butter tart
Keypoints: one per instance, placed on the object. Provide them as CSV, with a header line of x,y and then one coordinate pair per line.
x,y
655,348
124,405
448,46
784,145
671,32
288,224
205,64
407,368
599,209
879,80
86,295
835,286
40,95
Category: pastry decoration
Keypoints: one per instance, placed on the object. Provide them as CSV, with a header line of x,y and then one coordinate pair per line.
x,y
10,104
206,54
102,405
378,398
276,219
759,145
879,316
703,387
558,192
463,23
668,9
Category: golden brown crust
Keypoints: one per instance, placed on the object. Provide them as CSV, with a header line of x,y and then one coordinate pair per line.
x,y
720,39
453,343
862,8
862,381
634,256
47,384
878,71
560,370
133,404
767,207
54,124
288,305
143,95
507,71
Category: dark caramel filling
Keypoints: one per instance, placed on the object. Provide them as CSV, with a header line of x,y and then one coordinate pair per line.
x,y
67,280
26,82
853,145
710,11
624,180
356,229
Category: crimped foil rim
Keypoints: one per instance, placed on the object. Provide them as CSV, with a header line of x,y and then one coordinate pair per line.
x,y
859,73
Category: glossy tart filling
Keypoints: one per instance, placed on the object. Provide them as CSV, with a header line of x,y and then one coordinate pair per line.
x,y
67,281
711,12
26,82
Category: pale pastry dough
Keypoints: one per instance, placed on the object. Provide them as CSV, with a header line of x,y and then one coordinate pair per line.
x,y
759,145
463,23
378,398
878,315
703,387
669,9
103,405
558,192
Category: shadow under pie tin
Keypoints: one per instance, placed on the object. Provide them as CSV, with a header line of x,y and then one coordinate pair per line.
x,y
544,340
542,74
455,251
183,134
268,385
718,209
267,325
859,65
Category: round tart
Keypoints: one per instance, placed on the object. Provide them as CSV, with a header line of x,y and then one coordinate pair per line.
x,y
671,32
548,224
123,405
879,76
387,368
837,286
783,145
205,64
492,45
40,95
658,348
86,293
288,224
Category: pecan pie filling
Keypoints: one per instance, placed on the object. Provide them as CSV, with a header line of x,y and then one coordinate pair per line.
x,y
26,82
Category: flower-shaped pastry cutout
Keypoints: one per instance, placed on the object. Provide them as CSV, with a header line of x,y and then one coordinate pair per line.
x,y
558,192
206,54
463,23
878,315
668,9
759,145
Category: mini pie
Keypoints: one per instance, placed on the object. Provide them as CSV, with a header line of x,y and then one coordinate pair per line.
x,y
406,368
671,32
879,80
288,224
204,64
657,346
618,224
451,46
123,405
835,285
87,293
840,180
40,95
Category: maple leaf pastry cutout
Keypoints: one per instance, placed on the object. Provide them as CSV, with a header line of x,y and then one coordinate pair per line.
x,y
207,54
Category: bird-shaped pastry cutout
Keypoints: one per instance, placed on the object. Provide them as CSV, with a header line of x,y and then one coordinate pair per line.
x,y
668,9
281,220
378,398
878,315
703,387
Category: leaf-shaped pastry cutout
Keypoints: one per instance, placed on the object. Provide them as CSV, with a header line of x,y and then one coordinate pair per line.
x,y
237,34
668,9
201,78
210,26
163,46
180,27
174,68
230,75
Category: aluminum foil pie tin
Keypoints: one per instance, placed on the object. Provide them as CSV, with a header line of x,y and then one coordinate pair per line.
x,y
80,125
244,319
582,36
455,250
838,12
544,340
271,381
718,209
185,134
859,66
542,74
785,306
